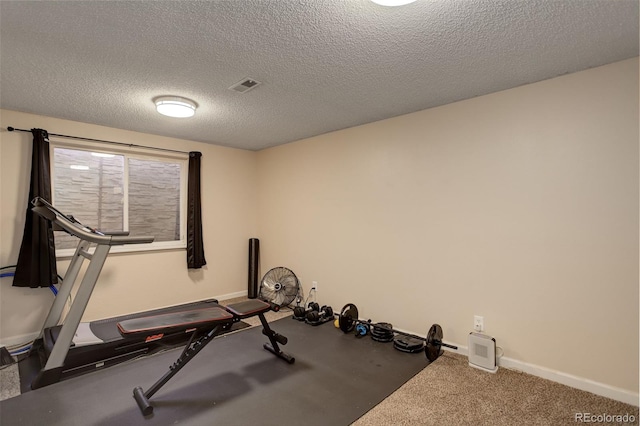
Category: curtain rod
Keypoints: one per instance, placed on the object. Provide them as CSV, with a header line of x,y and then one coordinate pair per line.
x,y
130,145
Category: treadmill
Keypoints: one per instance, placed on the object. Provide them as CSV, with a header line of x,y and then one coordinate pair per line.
x,y
73,348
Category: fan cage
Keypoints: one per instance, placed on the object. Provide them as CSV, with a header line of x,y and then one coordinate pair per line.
x,y
280,286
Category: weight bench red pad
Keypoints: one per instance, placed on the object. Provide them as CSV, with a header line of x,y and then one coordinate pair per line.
x,y
249,308
209,321
173,322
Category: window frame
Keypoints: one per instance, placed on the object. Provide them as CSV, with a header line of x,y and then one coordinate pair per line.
x,y
135,153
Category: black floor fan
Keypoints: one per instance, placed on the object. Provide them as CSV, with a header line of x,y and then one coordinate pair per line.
x,y
279,286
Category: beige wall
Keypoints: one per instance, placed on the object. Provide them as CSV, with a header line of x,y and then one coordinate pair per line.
x,y
521,206
139,281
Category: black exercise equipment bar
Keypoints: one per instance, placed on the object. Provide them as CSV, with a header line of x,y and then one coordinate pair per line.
x,y
348,319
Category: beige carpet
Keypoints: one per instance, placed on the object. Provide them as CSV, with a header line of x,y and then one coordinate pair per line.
x,y
449,392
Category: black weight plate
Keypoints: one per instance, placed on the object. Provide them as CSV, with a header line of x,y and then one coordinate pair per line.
x,y
382,339
348,317
299,313
382,330
328,312
313,316
432,352
410,343
411,350
434,342
383,326
435,334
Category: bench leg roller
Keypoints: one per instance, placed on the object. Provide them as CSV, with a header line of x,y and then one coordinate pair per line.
x,y
279,353
279,337
143,402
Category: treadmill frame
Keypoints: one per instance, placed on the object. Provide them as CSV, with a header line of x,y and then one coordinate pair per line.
x,y
52,370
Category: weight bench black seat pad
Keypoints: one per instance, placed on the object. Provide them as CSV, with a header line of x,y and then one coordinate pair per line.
x,y
248,308
174,322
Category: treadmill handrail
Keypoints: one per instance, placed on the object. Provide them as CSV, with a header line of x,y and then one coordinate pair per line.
x,y
55,216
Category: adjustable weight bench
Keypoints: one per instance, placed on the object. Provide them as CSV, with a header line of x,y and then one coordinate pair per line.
x,y
203,324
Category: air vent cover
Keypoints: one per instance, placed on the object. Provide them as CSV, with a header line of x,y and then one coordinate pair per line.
x,y
245,85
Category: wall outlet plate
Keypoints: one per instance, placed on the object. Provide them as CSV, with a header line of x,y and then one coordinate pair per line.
x,y
478,323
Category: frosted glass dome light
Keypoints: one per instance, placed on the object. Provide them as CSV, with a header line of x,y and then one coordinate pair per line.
x,y
174,106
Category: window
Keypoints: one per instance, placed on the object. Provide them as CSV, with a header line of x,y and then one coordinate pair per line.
x,y
142,193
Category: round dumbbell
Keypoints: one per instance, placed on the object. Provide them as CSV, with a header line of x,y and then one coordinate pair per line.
x,y
300,313
320,316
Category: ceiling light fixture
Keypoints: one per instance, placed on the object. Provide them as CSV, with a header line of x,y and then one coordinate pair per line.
x,y
392,2
175,106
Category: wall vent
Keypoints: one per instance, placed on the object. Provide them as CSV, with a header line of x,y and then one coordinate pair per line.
x,y
245,85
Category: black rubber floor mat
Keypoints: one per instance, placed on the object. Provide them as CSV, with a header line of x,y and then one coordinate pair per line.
x,y
336,379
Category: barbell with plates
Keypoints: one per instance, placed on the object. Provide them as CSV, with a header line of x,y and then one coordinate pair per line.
x,y
349,319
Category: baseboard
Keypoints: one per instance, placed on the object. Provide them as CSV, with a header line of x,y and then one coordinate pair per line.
x,y
22,339
612,392
231,295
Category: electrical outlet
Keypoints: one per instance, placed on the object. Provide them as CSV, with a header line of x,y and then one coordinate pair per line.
x,y
478,323
314,285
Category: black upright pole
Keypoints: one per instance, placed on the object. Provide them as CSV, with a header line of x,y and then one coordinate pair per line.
x,y
254,259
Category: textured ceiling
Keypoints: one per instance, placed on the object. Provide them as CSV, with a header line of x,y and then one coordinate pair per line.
x,y
324,64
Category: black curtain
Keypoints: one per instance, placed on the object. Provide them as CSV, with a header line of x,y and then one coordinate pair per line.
x,y
195,244
37,259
